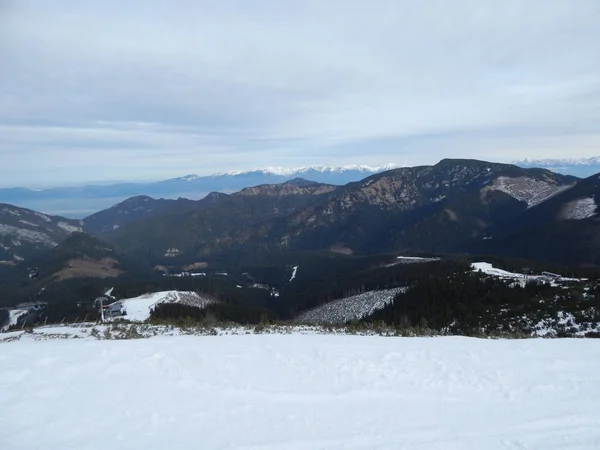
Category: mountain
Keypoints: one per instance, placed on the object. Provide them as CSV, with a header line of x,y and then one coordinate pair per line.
x,y
142,207
136,209
582,167
428,208
85,200
565,229
25,233
192,234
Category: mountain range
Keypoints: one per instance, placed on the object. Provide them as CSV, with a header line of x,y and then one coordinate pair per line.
x,y
580,167
78,202
453,207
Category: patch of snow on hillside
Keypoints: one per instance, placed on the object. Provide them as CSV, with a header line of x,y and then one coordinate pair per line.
x,y
579,209
293,392
567,322
29,224
138,309
529,190
415,259
26,235
349,309
489,269
69,228
13,318
44,217
10,212
294,271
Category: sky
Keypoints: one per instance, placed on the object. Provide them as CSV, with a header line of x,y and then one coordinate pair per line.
x,y
136,90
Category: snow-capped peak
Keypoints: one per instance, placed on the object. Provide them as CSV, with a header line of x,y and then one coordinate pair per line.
x,y
556,162
191,177
288,171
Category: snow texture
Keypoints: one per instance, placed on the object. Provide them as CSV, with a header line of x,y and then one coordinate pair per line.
x,y
138,309
13,317
294,272
529,190
69,228
580,209
489,269
27,235
351,308
299,171
276,392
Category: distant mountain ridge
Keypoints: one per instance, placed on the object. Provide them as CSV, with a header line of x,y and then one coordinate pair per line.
x,y
430,209
579,167
83,201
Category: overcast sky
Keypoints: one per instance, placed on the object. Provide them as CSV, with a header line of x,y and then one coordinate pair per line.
x,y
140,90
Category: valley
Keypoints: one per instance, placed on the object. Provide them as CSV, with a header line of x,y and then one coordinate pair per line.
x,y
455,248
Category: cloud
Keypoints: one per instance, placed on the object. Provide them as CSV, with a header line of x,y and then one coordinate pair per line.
x,y
148,90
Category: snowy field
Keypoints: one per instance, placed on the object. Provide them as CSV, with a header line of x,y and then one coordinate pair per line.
x,y
289,392
138,309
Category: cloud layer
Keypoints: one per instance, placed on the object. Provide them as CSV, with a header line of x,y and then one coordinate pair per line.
x,y
147,90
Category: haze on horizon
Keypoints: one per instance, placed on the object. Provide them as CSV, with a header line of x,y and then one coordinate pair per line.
x,y
102,91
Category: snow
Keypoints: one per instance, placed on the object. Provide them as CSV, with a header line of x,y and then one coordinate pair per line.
x,y
351,308
13,317
415,259
26,235
529,190
69,228
560,162
138,309
297,171
294,271
489,269
276,392
567,323
580,209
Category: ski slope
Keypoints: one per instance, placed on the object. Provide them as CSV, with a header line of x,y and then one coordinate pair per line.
x,y
292,392
138,309
13,318
489,269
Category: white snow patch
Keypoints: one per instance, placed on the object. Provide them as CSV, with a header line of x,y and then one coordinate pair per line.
x,y
292,392
529,190
10,212
351,308
30,224
489,269
138,309
13,317
26,235
415,259
69,228
44,217
294,271
580,209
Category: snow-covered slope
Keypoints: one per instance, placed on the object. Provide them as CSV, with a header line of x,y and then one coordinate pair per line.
x,y
294,392
489,269
138,309
579,209
348,309
13,318
529,190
